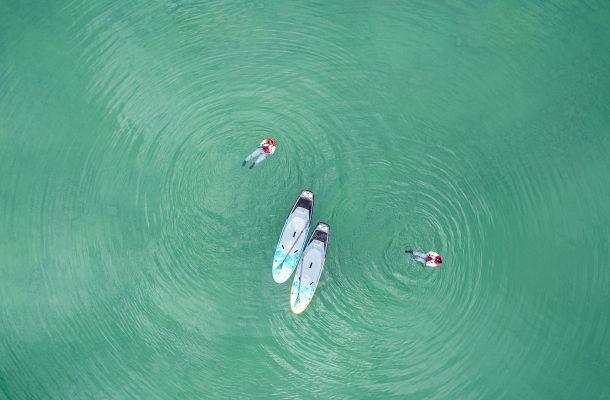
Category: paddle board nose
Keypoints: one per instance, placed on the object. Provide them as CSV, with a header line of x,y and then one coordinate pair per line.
x,y
322,227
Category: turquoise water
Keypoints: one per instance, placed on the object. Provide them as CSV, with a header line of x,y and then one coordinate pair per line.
x,y
136,251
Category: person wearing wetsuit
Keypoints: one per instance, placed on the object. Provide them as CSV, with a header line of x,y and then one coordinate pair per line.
x,y
431,259
266,148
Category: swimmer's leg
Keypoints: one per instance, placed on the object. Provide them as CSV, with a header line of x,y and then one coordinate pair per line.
x,y
260,159
421,257
252,155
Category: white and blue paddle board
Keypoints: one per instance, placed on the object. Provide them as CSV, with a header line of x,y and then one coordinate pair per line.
x,y
310,268
292,239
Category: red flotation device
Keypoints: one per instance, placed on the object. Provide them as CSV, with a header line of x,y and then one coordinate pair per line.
x,y
271,142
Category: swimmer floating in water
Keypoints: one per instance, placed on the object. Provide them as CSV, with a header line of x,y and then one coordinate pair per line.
x,y
431,259
266,148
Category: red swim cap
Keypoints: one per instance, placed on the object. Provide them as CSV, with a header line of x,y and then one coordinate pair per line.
x,y
438,260
272,140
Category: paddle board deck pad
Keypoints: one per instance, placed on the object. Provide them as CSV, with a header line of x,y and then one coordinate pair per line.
x,y
309,269
293,236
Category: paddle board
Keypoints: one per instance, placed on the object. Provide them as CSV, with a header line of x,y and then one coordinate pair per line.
x,y
292,239
309,269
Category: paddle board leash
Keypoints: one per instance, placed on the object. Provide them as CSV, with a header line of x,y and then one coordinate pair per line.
x,y
299,292
291,247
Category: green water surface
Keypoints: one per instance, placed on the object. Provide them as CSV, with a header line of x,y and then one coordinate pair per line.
x,y
135,251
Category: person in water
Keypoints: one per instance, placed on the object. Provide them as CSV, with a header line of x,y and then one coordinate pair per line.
x,y
266,148
431,259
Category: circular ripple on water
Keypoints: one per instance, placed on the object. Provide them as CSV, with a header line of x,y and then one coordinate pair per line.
x,y
178,125
423,308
